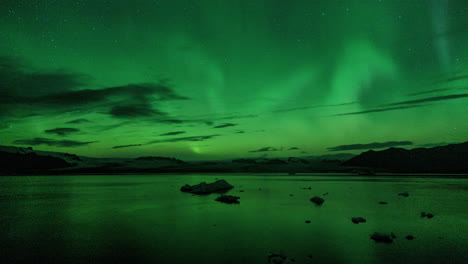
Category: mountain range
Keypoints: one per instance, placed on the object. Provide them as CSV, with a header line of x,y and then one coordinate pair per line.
x,y
451,158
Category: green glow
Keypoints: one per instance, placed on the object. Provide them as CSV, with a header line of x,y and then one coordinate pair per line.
x,y
237,59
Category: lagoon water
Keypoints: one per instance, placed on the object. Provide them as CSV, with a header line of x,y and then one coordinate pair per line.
x,y
146,219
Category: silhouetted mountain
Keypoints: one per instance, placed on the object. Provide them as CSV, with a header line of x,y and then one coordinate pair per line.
x,y
447,159
444,159
150,158
14,163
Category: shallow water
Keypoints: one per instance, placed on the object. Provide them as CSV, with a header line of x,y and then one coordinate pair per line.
x,y
145,218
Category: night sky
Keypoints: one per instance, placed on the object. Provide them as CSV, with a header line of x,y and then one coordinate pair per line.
x,y
218,79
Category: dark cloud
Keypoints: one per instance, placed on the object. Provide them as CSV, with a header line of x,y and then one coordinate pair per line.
x,y
431,99
170,140
127,146
266,149
132,92
62,131
18,78
25,90
52,142
136,110
378,110
225,125
374,145
170,121
235,117
310,107
193,138
173,133
78,121
430,91
452,79
293,148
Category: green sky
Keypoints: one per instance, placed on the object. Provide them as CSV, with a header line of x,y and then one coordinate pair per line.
x,y
215,79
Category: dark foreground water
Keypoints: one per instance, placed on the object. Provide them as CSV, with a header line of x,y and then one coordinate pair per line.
x,y
146,219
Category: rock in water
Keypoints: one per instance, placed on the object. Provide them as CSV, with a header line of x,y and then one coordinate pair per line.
x,y
277,259
207,188
404,194
428,215
358,220
382,238
228,199
317,200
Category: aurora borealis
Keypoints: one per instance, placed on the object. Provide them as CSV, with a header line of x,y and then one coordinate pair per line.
x,y
215,79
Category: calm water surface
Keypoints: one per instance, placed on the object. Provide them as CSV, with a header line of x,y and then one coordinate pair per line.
x,y
146,219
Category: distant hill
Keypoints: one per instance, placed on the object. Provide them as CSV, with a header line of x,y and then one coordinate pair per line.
x,y
451,158
447,159
24,160
16,160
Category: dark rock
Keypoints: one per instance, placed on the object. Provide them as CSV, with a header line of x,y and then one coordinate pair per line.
x,y
383,203
228,199
409,237
325,194
207,188
358,220
277,258
382,238
307,221
404,194
307,188
317,200
364,172
427,215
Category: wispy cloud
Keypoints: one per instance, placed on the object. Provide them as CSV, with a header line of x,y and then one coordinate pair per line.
x,y
266,149
430,99
173,133
311,107
62,131
374,145
135,110
452,79
378,110
225,125
25,90
170,140
430,91
127,146
78,121
438,144
193,138
52,142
